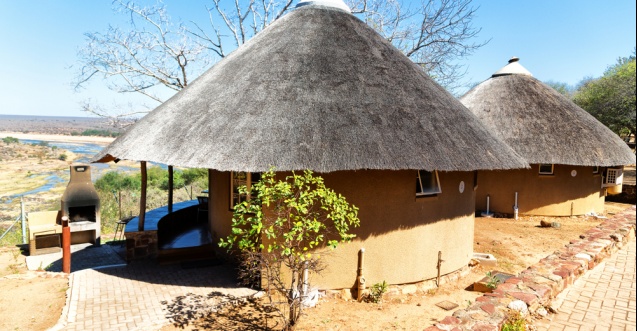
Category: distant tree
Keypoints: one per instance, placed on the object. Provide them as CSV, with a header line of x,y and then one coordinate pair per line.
x,y
156,56
562,88
611,98
10,140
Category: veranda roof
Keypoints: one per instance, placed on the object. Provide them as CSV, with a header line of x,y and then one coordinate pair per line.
x,y
542,125
318,89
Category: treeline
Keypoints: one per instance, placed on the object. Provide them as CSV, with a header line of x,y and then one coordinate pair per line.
x,y
96,132
156,177
120,191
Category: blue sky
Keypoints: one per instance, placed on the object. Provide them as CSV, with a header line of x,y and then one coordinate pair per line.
x,y
563,40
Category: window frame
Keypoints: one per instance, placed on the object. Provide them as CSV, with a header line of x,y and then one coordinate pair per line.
x,y
234,183
544,173
595,170
437,189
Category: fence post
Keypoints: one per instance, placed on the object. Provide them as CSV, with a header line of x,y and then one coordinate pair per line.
x,y
23,219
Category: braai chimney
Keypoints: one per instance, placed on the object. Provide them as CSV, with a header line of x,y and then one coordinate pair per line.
x,y
81,203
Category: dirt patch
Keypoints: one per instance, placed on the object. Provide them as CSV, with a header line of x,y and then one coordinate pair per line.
x,y
29,300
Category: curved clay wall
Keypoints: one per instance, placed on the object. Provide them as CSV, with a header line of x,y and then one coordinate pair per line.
x,y
560,194
402,234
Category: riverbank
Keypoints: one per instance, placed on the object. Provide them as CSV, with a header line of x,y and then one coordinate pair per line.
x,y
57,137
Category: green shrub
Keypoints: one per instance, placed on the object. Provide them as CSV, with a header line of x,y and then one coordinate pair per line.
x,y
10,140
514,322
377,291
62,157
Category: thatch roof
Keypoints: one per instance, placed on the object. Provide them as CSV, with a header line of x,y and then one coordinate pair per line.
x,y
318,89
542,125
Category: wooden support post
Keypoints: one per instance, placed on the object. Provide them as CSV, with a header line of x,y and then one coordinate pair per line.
x,y
170,188
142,199
66,245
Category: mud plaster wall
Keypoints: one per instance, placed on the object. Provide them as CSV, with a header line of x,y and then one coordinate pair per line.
x,y
546,195
401,233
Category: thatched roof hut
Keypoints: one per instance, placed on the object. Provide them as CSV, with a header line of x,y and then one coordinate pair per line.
x,y
542,125
569,151
318,89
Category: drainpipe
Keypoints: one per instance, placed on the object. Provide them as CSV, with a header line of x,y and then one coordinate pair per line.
x,y
515,207
360,279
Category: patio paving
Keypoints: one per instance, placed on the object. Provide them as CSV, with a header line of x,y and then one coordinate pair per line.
x,y
602,299
134,297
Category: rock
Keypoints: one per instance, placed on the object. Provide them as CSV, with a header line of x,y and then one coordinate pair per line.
x,y
616,237
520,306
581,236
583,256
556,225
542,312
545,224
409,289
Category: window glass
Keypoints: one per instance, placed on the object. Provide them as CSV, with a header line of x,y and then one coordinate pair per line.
x,y
596,169
238,179
427,183
546,169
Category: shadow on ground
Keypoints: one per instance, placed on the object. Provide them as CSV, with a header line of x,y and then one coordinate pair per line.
x,y
220,311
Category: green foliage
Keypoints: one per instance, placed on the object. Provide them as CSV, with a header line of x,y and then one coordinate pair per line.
x,y
514,322
10,140
192,175
493,281
562,88
301,207
117,181
611,98
278,230
62,157
377,291
114,183
96,132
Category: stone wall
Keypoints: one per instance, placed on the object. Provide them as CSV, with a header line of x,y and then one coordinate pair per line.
x,y
141,245
538,285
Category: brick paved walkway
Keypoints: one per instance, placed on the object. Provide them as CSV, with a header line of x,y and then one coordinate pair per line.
x,y
603,299
130,297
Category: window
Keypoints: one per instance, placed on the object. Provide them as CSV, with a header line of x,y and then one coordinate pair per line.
x,y
240,178
613,177
546,169
427,183
596,169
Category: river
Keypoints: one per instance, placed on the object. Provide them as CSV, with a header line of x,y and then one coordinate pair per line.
x,y
85,151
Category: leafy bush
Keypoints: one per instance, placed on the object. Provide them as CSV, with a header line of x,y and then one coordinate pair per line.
x,y
62,157
301,212
514,322
113,181
10,140
377,291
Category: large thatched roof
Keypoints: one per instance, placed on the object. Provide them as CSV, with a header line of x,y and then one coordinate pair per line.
x,y
318,89
542,125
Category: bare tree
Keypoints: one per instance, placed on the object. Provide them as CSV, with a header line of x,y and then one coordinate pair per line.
x,y
156,56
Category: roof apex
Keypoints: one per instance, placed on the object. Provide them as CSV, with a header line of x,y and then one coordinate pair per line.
x,y
338,4
513,68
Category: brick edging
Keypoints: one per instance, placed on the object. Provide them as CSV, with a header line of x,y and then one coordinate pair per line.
x,y
539,284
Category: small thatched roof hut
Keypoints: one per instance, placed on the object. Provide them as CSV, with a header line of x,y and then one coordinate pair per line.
x,y
553,135
320,90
